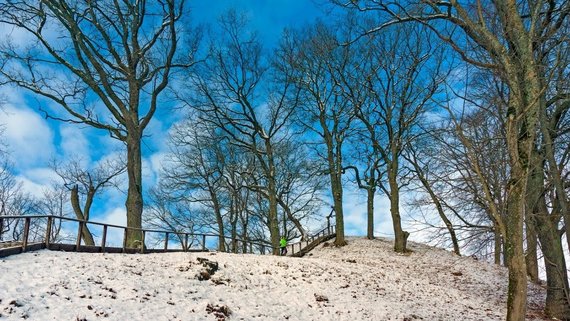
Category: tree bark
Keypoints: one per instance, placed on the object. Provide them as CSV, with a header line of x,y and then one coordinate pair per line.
x,y
292,218
85,234
439,207
337,191
401,236
219,221
531,256
498,240
134,203
272,198
557,304
371,192
517,290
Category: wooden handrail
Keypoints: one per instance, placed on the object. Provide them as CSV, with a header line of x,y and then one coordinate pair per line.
x,y
327,231
82,225
183,236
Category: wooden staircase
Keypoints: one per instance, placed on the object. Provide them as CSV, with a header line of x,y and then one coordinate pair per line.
x,y
305,247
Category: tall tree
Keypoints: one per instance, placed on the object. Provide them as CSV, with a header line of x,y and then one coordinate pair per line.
x,y
236,93
315,56
118,54
402,79
506,36
421,168
87,183
194,169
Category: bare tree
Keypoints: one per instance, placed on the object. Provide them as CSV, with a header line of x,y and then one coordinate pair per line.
x,y
87,183
402,79
422,164
115,53
299,187
55,202
165,212
235,93
14,201
508,36
315,56
193,171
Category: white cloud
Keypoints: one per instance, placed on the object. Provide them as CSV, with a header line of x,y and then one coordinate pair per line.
x,y
153,167
36,180
74,143
355,214
29,137
17,36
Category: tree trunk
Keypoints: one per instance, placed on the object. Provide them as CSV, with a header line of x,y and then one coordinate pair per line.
x,y
498,245
233,225
336,187
85,233
134,203
401,236
519,142
531,248
293,219
439,209
557,304
517,290
219,221
272,198
370,212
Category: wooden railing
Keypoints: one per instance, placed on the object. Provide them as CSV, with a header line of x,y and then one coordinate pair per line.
x,y
44,241
42,238
312,241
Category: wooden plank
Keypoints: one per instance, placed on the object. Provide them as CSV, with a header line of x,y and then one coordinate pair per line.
x,y
186,242
204,242
125,234
18,249
48,230
79,232
26,234
166,241
104,238
142,241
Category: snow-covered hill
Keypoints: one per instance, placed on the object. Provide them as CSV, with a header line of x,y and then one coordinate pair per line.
x,y
365,280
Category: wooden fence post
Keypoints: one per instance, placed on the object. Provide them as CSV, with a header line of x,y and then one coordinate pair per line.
x,y
186,242
26,234
1,227
48,231
166,241
142,241
203,242
79,232
104,238
125,240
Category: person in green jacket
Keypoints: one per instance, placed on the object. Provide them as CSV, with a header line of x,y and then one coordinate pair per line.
x,y
283,245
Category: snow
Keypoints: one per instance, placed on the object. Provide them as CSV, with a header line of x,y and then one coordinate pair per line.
x,y
364,280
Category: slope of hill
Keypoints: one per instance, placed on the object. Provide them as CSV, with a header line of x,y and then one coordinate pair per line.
x,y
365,280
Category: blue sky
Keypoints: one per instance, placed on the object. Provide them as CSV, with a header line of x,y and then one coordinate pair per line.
x,y
33,140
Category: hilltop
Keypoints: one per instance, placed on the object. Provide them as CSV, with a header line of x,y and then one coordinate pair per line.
x,y
364,280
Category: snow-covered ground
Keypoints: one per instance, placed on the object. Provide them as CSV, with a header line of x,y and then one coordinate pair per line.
x,y
365,280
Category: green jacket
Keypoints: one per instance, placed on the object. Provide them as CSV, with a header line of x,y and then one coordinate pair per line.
x,y
283,242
